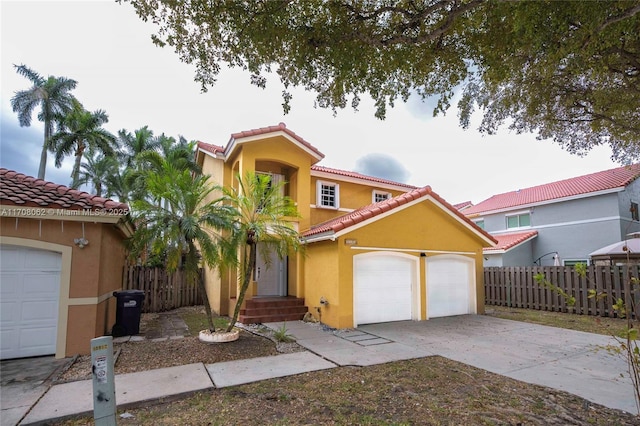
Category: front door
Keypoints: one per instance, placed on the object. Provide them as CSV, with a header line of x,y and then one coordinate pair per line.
x,y
270,275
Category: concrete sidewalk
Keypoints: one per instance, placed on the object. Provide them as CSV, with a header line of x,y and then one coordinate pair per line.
x,y
133,389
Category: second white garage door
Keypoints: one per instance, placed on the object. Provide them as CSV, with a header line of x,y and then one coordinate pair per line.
x,y
30,287
450,286
383,288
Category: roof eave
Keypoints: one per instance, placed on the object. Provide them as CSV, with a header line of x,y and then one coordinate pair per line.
x,y
324,236
355,179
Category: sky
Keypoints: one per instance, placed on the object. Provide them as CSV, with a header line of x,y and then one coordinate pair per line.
x,y
107,49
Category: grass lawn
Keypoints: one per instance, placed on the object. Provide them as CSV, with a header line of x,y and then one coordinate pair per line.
x,y
590,324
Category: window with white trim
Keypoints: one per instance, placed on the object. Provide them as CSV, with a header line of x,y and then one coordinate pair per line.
x,y
480,223
379,196
328,195
519,220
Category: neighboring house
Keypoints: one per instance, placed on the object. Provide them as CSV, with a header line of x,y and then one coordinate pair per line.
x,y
560,222
375,250
61,258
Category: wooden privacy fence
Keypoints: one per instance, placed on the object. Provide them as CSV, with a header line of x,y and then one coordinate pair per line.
x,y
516,287
162,291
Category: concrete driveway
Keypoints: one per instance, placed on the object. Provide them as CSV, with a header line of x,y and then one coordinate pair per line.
x,y
568,360
24,381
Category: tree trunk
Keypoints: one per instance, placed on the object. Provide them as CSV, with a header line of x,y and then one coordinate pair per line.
x,y
45,148
75,173
245,285
207,306
192,262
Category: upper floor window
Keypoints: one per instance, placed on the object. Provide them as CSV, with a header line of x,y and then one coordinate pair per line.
x,y
480,223
519,220
379,196
328,195
634,211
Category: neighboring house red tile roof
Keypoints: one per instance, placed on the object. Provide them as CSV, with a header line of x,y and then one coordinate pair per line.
x,y
509,241
281,127
463,205
372,210
25,191
359,176
601,181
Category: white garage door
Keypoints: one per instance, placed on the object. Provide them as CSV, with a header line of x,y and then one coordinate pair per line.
x,y
450,288
30,286
383,288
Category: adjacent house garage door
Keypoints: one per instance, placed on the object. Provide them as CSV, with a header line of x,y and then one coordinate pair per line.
x,y
30,287
450,286
383,288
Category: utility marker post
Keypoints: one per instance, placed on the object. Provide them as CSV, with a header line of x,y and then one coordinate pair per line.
x,y
104,383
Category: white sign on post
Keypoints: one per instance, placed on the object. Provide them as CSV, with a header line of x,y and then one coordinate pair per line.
x,y
104,386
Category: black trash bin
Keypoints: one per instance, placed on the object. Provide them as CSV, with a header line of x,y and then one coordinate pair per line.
x,y
128,310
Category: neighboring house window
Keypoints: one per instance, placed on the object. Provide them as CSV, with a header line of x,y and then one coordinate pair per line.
x,y
574,262
480,223
328,195
634,211
379,196
519,220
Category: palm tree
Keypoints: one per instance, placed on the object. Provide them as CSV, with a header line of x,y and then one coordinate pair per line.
x,y
132,144
51,95
97,171
82,130
117,186
180,154
186,228
260,213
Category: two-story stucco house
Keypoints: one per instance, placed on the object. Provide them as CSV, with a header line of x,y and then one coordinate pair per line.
x,y
375,250
561,222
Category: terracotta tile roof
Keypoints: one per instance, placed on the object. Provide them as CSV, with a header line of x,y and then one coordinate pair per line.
x,y
25,191
463,205
281,127
372,210
594,182
509,241
214,149
359,176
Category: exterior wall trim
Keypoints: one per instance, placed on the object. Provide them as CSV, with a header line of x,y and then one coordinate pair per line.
x,y
65,283
408,250
78,301
556,225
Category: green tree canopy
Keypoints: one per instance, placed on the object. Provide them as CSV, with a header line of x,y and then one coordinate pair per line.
x,y
52,95
566,70
81,130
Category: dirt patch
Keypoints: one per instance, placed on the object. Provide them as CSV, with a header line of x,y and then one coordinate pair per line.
x,y
134,356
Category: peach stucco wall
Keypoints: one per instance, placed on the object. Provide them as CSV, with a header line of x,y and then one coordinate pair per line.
x,y
87,308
